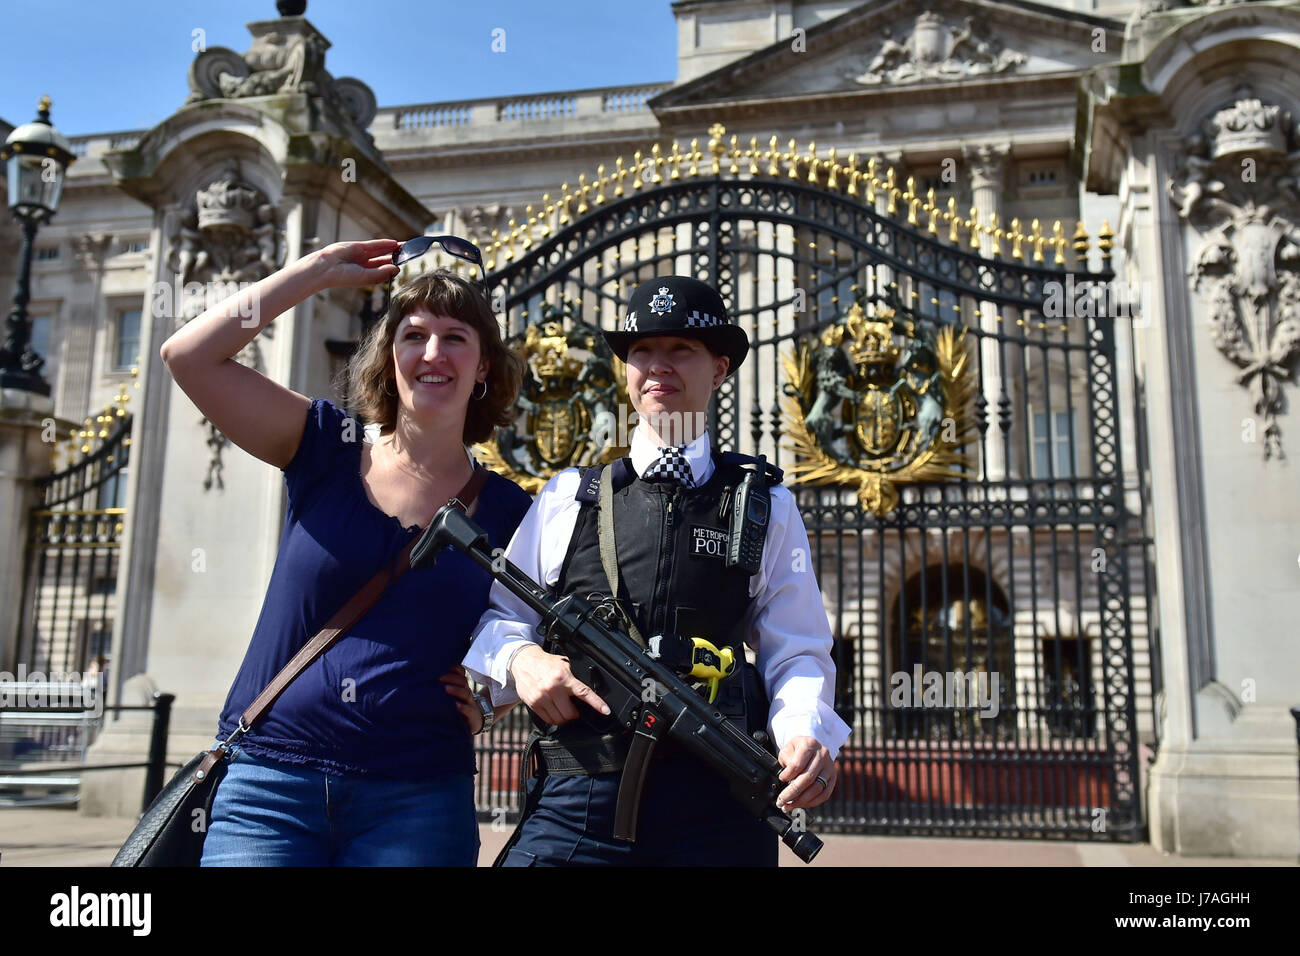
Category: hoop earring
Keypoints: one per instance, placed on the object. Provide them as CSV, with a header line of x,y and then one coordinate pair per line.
x,y
484,395
393,392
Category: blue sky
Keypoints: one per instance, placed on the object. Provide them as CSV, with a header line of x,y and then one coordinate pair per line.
x,y
112,65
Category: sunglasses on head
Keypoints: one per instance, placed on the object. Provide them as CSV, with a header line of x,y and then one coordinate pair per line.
x,y
452,245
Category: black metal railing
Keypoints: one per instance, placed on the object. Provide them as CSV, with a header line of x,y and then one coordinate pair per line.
x,y
44,748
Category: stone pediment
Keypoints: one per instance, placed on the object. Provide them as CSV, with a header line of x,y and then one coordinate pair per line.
x,y
901,43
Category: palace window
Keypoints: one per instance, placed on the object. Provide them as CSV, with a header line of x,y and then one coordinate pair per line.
x,y
1053,448
41,336
126,348
47,253
112,493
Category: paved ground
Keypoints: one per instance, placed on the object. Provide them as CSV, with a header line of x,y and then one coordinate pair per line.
x,y
63,837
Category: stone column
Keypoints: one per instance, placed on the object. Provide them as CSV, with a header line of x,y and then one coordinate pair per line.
x,y
81,323
1206,171
987,165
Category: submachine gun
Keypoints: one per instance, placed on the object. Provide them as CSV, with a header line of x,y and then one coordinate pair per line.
x,y
646,697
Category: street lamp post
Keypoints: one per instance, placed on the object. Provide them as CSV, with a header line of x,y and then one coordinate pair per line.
x,y
36,156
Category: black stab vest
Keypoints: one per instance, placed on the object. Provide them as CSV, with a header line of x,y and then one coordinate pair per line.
x,y
672,545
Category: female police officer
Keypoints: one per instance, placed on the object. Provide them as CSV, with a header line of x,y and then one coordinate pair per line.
x,y
670,527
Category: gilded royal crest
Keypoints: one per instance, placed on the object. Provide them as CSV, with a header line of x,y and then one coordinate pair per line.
x,y
864,409
568,402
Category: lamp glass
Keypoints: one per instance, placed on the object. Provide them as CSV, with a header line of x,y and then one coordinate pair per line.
x,y
35,185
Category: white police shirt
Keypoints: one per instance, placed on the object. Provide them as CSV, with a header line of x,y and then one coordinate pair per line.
x,y
786,623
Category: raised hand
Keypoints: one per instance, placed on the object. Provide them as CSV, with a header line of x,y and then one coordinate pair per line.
x,y
345,264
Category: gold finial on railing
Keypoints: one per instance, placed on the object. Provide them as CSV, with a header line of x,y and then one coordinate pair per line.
x,y
812,163
548,210
1105,240
695,157
974,226
714,146
619,173
954,220
1058,242
871,181
912,200
852,175
931,212
1036,228
675,161
995,233
773,157
1016,239
565,200
583,189
512,237
1080,242
753,155
636,170
528,230
734,168
655,162
86,433
793,158
601,182
832,168
492,248
891,192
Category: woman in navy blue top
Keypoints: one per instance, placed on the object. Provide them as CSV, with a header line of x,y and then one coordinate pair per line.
x,y
367,757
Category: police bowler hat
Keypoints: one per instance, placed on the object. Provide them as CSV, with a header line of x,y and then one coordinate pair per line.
x,y
681,306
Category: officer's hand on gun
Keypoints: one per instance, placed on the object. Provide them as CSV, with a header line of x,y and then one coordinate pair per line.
x,y
806,763
546,684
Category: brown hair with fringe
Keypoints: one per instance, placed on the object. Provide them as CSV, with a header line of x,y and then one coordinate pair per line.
x,y
370,373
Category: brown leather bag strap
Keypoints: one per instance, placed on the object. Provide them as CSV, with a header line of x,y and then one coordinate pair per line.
x,y
350,613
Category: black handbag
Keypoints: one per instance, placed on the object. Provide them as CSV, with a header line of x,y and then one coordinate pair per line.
x,y
172,830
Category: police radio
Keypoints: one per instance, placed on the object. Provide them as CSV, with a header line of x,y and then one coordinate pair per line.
x,y
749,515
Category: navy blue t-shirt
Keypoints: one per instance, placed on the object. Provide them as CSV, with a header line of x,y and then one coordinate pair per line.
x,y
372,703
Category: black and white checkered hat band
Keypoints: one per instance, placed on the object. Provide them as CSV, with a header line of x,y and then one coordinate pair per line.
x,y
629,324
701,320
672,464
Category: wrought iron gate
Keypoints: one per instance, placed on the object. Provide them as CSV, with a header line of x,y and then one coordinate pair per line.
x,y
72,553
1004,572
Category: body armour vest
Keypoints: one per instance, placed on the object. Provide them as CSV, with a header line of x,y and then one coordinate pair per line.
x,y
672,546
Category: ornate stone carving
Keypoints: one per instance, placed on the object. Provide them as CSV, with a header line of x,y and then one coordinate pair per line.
x,y
937,48
287,56
1240,189
230,236
481,220
89,249
987,165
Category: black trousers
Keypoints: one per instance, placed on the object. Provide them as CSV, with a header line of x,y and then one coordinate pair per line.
x,y
687,818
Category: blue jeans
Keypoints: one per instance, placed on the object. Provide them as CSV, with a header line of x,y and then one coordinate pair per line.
x,y
268,813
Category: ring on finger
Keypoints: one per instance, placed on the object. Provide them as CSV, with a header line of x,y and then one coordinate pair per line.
x,y
824,782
